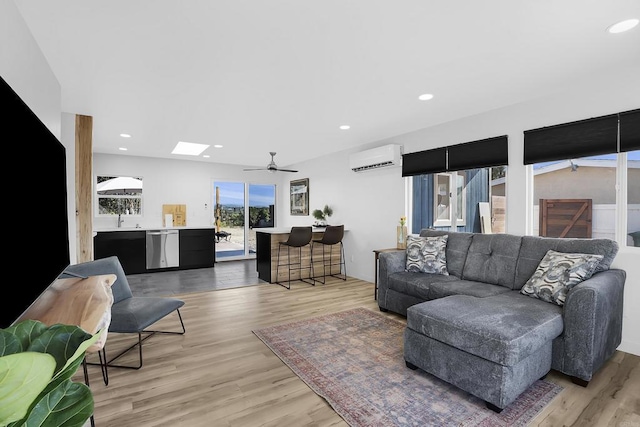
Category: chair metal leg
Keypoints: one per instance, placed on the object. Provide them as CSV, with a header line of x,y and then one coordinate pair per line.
x,y
324,268
311,280
150,333
341,262
86,381
102,356
278,270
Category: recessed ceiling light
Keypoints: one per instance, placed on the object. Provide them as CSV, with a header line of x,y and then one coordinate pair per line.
x,y
425,97
622,26
123,149
345,127
206,156
218,146
189,148
125,135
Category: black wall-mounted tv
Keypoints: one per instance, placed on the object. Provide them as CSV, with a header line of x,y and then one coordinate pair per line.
x,y
35,206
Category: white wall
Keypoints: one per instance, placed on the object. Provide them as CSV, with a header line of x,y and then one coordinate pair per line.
x,y
166,181
368,203
25,69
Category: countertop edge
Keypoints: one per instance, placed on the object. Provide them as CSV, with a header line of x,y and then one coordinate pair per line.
x,y
103,230
287,230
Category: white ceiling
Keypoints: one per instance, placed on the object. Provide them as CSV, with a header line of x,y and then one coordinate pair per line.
x,y
259,76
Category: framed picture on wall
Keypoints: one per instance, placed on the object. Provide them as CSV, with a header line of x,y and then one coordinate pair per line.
x,y
299,196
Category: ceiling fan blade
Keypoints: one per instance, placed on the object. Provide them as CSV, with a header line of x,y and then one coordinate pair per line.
x,y
271,167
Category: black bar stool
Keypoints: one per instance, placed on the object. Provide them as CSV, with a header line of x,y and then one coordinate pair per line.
x,y
333,235
298,238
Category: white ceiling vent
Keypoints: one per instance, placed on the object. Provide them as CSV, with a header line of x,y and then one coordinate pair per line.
x,y
379,157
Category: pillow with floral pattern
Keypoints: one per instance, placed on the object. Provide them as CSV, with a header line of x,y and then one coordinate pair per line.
x,y
558,273
427,254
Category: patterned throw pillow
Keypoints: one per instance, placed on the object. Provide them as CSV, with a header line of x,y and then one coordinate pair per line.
x,y
558,273
427,254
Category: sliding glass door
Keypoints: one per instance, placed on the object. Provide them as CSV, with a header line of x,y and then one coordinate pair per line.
x,y
240,207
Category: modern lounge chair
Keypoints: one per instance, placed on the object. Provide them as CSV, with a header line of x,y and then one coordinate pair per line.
x,y
129,314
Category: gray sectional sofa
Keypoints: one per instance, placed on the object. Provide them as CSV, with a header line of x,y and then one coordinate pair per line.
x,y
475,329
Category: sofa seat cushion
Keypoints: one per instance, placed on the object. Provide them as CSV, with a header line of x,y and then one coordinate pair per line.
x,y
416,284
465,287
504,329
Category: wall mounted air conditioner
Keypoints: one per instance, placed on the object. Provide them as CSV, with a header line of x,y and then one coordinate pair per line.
x,y
379,157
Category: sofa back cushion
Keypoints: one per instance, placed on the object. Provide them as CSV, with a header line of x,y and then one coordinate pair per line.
x,y
493,258
534,248
457,248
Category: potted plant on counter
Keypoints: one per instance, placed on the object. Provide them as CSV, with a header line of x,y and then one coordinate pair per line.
x,y
321,216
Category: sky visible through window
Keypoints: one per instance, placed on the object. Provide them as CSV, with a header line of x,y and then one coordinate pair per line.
x,y
633,155
232,194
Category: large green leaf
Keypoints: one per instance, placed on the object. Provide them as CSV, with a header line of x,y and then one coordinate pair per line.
x,y
70,368
56,401
25,331
9,343
68,405
60,341
23,376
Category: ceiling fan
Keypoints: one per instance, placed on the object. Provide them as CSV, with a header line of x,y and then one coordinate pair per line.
x,y
271,167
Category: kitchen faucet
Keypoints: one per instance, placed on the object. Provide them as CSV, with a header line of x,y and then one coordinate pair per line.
x,y
120,220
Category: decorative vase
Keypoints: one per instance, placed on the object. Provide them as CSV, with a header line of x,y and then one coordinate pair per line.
x,y
401,241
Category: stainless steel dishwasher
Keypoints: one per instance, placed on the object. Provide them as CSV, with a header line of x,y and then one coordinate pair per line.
x,y
163,249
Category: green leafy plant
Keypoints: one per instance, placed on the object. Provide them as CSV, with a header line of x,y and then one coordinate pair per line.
x,y
36,366
324,214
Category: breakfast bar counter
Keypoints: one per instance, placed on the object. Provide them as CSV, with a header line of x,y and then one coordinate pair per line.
x,y
267,244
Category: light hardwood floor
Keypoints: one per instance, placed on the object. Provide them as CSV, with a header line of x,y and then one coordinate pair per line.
x,y
220,374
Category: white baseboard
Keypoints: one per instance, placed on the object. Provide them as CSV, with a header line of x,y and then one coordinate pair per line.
x,y
630,347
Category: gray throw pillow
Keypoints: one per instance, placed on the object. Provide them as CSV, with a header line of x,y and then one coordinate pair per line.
x,y
558,273
427,254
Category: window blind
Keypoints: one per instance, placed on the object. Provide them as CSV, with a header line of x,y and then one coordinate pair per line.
x,y
630,130
424,162
582,138
484,153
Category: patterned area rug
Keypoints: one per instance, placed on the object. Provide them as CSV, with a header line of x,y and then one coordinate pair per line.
x,y
354,360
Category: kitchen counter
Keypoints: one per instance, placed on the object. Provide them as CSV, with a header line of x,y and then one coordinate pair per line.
x,y
287,230
195,227
267,246
180,249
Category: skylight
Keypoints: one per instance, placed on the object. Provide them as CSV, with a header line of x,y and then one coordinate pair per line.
x,y
189,148
623,26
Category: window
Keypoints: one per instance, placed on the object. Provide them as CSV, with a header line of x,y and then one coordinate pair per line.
x,y
239,208
593,195
442,199
578,197
633,198
118,195
452,200
444,202
575,197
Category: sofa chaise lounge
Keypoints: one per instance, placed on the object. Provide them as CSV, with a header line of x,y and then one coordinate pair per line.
x,y
470,324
